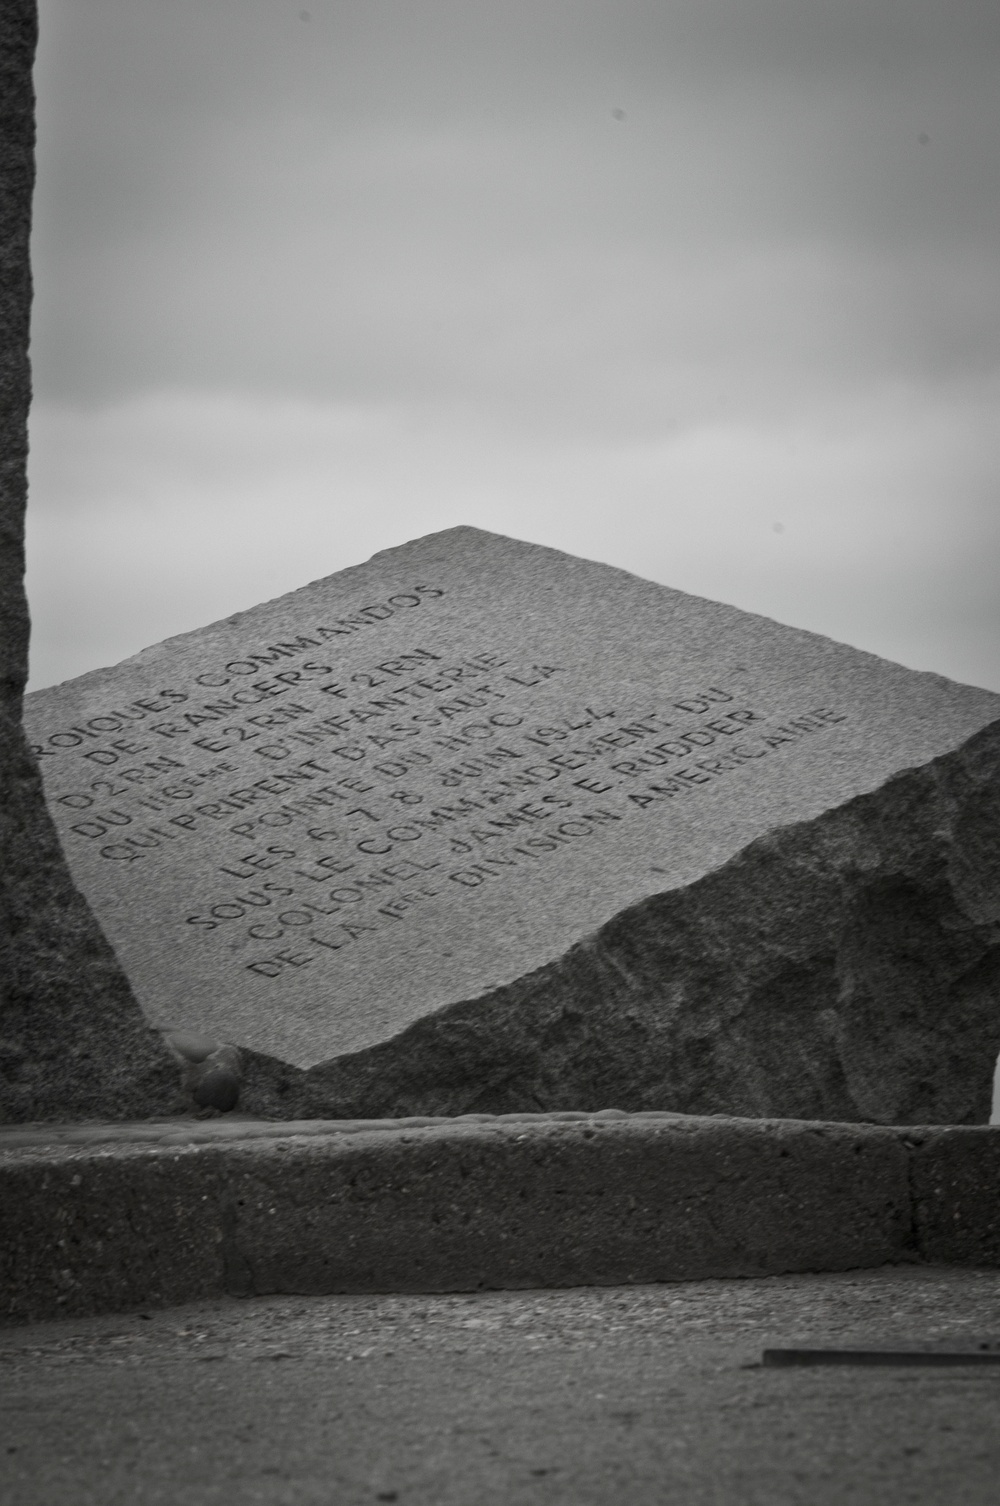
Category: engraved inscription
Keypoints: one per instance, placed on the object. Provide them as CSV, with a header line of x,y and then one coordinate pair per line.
x,y
339,804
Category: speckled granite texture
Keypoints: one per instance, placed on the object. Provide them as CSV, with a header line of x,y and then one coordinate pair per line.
x,y
443,1206
844,968
106,1218
73,1041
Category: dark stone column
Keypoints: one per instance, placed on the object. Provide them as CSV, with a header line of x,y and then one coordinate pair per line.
x,y
73,1041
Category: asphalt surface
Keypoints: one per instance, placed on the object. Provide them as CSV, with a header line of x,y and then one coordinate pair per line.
x,y
638,1395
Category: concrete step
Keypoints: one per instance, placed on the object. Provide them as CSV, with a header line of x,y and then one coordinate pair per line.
x,y
112,1217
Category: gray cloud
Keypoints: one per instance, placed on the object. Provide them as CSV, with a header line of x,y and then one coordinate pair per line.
x,y
634,279
392,196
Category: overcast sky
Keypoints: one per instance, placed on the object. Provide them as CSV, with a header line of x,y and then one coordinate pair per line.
x,y
707,289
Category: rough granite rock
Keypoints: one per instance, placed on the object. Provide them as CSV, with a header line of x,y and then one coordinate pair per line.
x,y
73,1041
845,968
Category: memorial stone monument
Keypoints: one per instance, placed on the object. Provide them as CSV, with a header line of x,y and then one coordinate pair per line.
x,y
478,826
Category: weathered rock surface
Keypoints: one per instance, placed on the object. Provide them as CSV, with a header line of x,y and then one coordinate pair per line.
x,y
73,1041
844,968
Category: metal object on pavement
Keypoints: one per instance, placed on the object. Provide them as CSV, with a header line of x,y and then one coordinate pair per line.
x,y
983,1352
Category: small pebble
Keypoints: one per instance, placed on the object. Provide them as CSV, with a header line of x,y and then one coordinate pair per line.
x,y
212,1072
217,1088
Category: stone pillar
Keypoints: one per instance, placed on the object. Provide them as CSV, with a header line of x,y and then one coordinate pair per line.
x,y
73,1041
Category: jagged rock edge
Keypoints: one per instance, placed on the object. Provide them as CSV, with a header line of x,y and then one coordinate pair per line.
x,y
676,1002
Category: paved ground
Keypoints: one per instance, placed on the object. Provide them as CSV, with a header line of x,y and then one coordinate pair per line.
x,y
618,1395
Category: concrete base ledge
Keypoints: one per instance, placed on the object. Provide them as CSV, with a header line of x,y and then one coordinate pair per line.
x,y
98,1218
